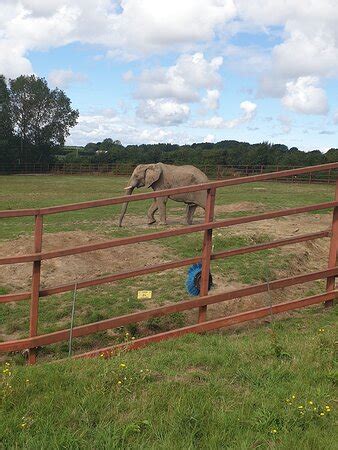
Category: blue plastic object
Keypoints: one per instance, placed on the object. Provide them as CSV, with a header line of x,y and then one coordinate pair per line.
x,y
193,280
194,272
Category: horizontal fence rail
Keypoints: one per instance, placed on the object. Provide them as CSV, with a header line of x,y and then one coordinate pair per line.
x,y
214,171
35,340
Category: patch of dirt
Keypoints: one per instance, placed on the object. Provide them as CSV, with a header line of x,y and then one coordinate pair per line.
x,y
283,226
83,266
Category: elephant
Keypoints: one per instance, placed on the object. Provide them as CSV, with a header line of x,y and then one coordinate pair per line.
x,y
165,176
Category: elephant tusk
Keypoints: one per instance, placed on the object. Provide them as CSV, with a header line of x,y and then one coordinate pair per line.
x,y
128,187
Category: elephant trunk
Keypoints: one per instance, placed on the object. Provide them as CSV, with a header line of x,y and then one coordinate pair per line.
x,y
129,191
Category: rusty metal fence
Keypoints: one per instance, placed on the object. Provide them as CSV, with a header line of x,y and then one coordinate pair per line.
x,y
35,340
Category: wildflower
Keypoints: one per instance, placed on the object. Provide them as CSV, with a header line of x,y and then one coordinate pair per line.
x,y
23,425
101,355
27,381
327,408
321,330
322,414
293,396
274,431
300,407
122,365
315,409
119,382
7,364
310,402
133,338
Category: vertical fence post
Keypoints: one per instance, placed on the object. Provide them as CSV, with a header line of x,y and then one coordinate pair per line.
x,y
330,283
34,309
206,252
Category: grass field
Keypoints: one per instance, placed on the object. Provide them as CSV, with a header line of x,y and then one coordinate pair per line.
x,y
233,389
266,387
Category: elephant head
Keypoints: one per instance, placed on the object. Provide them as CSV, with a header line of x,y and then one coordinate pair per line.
x,y
143,175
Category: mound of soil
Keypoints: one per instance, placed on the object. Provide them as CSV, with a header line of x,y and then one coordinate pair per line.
x,y
70,268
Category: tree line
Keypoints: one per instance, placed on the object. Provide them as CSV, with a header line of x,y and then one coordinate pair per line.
x,y
227,152
36,120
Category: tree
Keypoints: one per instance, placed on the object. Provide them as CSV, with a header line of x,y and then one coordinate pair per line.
x,y
6,129
41,117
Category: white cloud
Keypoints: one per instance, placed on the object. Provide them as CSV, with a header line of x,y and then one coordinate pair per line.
x,y
248,108
335,118
304,96
163,112
63,78
127,76
209,138
127,28
96,127
181,81
286,124
211,100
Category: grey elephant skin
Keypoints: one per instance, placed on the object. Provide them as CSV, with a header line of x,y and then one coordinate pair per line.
x,y
164,176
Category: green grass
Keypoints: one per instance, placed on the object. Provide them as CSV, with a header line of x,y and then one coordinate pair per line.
x,y
41,191
120,298
231,390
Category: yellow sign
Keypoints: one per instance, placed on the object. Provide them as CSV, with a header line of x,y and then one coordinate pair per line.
x,y
144,294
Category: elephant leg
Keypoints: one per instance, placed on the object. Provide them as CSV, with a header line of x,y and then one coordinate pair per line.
x,y
190,213
162,202
151,211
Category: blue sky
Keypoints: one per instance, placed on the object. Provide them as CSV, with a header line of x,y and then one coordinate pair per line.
x,y
147,71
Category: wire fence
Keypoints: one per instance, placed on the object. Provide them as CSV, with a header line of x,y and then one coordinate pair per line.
x,y
214,172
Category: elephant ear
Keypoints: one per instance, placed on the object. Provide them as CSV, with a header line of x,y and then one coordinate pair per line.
x,y
153,173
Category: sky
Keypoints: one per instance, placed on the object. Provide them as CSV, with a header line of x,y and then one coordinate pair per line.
x,y
183,71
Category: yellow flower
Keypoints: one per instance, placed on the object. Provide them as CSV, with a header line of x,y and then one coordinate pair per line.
x,y
27,381
327,408
101,355
119,382
322,414
122,365
315,409
300,407
310,402
23,425
274,431
293,396
133,338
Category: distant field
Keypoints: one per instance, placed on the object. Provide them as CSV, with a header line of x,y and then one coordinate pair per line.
x,y
76,228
